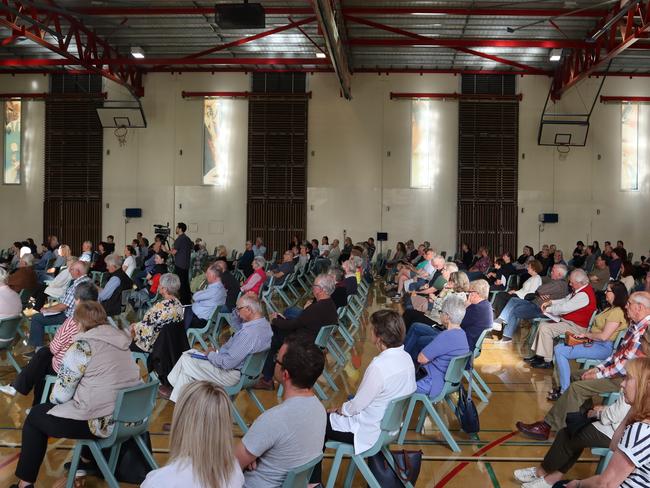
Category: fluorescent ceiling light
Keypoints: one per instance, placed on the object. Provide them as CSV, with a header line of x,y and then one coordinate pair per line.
x,y
137,52
556,55
321,55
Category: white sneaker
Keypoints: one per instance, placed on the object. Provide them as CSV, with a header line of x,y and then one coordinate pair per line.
x,y
8,390
537,483
498,326
526,475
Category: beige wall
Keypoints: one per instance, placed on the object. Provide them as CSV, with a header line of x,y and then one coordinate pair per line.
x,y
358,175
21,206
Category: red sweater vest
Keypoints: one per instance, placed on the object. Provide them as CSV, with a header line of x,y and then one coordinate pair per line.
x,y
582,316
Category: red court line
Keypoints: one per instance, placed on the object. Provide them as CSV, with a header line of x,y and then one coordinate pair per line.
x,y
452,474
9,460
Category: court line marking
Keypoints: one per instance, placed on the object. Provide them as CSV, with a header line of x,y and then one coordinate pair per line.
x,y
452,474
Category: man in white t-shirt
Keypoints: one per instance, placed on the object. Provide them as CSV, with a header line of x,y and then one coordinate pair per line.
x,y
291,434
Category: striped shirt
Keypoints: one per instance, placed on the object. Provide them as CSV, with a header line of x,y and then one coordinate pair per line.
x,y
629,348
68,298
62,341
254,336
635,444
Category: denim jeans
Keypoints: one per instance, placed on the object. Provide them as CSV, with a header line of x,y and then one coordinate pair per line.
x,y
292,313
562,355
37,326
515,310
418,337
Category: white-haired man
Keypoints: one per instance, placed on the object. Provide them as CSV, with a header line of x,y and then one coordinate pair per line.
x,y
252,334
569,314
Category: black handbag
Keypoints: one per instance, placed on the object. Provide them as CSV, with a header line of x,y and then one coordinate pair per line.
x,y
466,410
132,467
407,464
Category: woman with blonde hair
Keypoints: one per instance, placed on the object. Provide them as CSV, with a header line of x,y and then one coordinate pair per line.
x,y
201,449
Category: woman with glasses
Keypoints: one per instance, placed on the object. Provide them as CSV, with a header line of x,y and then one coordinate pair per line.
x,y
606,327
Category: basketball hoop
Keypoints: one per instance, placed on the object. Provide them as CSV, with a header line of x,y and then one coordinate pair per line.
x,y
120,133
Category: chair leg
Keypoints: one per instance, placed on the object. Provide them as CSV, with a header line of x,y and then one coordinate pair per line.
x,y
442,427
238,418
256,401
334,470
481,382
349,473
74,463
146,452
330,380
365,471
13,362
103,466
475,387
112,459
320,392
407,421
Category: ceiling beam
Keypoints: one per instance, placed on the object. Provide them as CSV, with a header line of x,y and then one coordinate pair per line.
x,y
469,42
26,62
391,11
329,27
617,31
420,38
92,52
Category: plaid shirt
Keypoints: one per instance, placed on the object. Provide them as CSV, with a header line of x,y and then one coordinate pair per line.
x,y
629,348
68,298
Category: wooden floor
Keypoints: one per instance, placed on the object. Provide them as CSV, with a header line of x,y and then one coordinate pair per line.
x,y
485,461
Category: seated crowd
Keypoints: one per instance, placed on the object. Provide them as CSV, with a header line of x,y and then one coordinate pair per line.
x,y
597,303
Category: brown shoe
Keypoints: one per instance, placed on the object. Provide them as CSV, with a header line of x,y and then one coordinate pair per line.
x,y
539,430
263,384
164,392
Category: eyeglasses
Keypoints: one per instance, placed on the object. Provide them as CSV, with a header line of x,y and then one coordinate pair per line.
x,y
277,361
239,308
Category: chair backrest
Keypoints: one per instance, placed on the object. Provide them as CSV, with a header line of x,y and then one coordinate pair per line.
x,y
511,284
479,342
133,409
390,424
252,368
324,335
593,318
8,330
454,373
299,477
619,338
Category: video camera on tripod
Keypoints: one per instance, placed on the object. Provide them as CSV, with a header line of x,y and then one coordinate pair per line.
x,y
163,231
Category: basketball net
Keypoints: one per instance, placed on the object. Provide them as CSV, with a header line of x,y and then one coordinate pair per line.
x,y
120,133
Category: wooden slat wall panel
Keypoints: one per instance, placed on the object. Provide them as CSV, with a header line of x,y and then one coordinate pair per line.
x,y
73,163
488,165
277,160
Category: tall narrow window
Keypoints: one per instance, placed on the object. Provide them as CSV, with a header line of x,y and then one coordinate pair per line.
x,y
424,143
629,146
12,142
217,115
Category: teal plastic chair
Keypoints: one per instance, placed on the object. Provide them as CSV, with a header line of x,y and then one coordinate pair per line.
x,y
204,333
605,455
50,379
142,357
390,425
8,332
299,477
133,409
453,379
472,375
590,363
50,330
250,373
98,277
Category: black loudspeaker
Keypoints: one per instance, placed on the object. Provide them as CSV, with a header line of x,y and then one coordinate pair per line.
x,y
240,16
549,218
131,213
382,236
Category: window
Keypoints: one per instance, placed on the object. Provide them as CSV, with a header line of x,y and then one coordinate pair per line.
x,y
217,116
630,147
424,142
12,142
